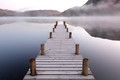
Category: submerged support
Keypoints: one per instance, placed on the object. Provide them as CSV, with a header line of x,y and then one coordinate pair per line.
x,y
33,67
85,66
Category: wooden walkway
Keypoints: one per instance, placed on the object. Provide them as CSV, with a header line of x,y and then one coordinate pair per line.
x,y
60,61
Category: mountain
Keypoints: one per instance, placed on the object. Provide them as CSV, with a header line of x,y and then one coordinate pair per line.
x,y
4,12
39,13
106,1
95,7
93,1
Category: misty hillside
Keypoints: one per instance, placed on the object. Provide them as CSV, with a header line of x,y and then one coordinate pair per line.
x,y
39,13
106,1
95,7
4,12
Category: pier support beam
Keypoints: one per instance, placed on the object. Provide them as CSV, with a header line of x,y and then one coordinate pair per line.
x,y
70,34
42,49
50,34
33,67
85,66
77,49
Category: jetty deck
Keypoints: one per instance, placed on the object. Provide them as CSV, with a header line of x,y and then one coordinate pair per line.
x,y
59,61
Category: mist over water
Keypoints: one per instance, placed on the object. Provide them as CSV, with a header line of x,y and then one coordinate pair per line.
x,y
21,39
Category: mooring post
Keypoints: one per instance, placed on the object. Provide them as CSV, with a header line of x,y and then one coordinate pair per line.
x,y
42,49
32,67
85,66
77,49
54,26
53,29
65,26
66,29
64,23
50,34
56,23
70,34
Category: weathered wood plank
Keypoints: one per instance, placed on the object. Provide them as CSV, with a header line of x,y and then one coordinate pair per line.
x,y
59,77
60,72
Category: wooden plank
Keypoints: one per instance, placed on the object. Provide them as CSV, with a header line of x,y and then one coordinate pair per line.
x,y
59,72
57,66
59,69
60,60
62,63
59,77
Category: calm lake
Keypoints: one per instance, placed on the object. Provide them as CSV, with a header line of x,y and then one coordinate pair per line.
x,y
21,37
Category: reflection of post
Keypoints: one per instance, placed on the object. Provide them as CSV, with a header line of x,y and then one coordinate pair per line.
x,y
70,34
42,49
77,49
50,34
85,66
33,67
66,29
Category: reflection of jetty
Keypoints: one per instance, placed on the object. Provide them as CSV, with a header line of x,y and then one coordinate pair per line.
x,y
59,59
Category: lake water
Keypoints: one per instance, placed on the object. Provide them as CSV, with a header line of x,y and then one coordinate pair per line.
x,y
20,41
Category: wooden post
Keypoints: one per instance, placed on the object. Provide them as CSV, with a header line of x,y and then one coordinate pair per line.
x,y
65,26
33,67
42,49
56,23
70,34
53,29
77,49
64,22
66,29
54,26
50,34
85,66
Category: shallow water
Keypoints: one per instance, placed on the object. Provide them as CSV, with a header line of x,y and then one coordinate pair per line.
x,y
21,41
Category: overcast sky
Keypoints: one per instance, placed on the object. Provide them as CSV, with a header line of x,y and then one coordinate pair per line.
x,y
21,5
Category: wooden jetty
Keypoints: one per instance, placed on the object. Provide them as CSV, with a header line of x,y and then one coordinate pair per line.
x,y
59,59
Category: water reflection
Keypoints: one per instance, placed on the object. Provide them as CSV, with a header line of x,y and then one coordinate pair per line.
x,y
18,43
104,54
